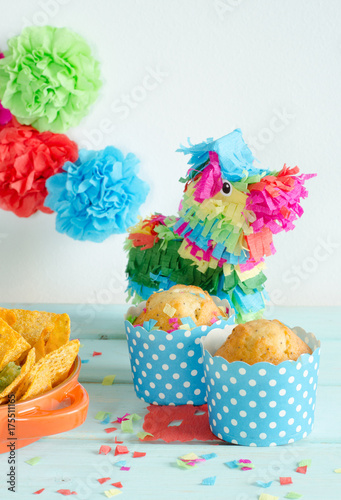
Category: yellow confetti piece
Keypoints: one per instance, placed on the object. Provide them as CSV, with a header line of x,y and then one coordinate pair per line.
x,y
189,456
266,496
184,327
338,471
169,310
112,493
108,380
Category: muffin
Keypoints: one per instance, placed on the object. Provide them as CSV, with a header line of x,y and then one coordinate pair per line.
x,y
169,308
262,340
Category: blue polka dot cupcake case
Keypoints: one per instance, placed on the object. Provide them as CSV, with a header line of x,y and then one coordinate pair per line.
x,y
167,368
261,404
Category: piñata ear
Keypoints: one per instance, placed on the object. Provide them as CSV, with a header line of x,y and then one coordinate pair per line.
x,y
275,201
210,181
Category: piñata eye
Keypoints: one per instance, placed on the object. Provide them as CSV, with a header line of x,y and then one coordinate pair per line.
x,y
226,189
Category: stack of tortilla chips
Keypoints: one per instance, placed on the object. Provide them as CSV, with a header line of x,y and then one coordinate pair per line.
x,y
35,352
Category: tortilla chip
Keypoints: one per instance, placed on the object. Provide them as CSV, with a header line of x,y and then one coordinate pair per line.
x,y
60,334
40,347
30,360
60,361
4,401
40,384
31,324
12,344
8,316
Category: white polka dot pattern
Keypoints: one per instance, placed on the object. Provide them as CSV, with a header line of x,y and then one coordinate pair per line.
x,y
168,368
262,404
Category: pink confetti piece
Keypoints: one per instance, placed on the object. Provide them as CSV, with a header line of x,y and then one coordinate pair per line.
x,y
119,420
246,468
38,492
103,479
125,468
244,461
66,492
110,429
104,450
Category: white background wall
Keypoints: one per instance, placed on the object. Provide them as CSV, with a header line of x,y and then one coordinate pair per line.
x,y
269,67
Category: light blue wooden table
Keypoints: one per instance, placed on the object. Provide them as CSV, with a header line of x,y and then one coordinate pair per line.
x,y
71,460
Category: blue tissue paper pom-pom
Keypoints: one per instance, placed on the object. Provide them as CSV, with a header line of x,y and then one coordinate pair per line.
x,y
98,195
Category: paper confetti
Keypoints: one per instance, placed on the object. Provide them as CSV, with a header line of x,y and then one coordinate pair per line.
x,y
209,456
103,479
285,480
233,464
293,494
125,468
120,463
338,471
142,435
101,415
183,465
169,310
66,492
121,450
118,485
127,423
96,353
120,419
264,485
138,454
266,496
85,361
305,462
302,470
33,461
110,429
38,492
111,493
189,456
117,441
209,481
106,420
108,379
104,450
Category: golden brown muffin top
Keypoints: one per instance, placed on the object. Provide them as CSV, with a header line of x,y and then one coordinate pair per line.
x,y
180,301
262,340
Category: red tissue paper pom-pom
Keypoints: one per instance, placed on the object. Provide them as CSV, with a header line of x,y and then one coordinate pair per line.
x,y
27,159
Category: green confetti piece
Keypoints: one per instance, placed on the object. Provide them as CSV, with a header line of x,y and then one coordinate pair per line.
x,y
143,434
108,380
101,415
33,461
305,462
127,424
183,465
81,345
292,494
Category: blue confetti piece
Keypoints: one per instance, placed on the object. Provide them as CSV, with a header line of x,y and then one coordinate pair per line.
x,y
106,420
264,485
85,361
233,464
187,320
209,456
121,463
209,481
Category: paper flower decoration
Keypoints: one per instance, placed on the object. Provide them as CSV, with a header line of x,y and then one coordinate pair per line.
x,y
5,114
48,78
27,159
98,195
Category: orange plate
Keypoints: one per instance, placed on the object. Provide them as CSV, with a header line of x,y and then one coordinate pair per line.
x,y
61,409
